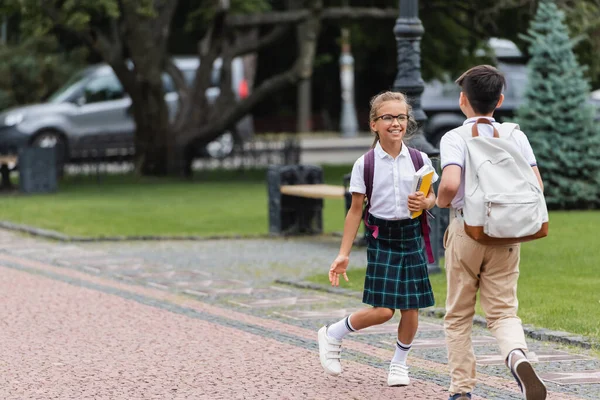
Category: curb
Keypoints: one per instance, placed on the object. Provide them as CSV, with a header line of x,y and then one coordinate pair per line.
x,y
54,235
50,234
536,333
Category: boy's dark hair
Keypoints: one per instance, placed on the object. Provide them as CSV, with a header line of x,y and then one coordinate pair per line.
x,y
483,86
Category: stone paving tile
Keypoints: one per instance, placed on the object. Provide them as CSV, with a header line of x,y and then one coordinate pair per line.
x,y
536,357
119,357
496,390
145,352
256,264
420,343
580,377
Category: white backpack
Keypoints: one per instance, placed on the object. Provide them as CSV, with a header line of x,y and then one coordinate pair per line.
x,y
504,203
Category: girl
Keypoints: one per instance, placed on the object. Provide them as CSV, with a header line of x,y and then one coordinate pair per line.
x,y
396,275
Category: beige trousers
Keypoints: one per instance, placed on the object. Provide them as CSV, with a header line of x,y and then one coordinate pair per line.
x,y
494,271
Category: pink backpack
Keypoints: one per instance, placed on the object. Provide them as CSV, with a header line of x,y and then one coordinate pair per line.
x,y
369,172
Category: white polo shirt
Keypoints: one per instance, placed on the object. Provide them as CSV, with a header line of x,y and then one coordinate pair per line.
x,y
392,182
453,152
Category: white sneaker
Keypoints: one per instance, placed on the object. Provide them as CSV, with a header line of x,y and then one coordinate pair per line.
x,y
329,353
398,375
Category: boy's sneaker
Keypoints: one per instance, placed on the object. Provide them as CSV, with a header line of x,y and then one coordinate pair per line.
x,y
398,375
460,396
530,383
329,352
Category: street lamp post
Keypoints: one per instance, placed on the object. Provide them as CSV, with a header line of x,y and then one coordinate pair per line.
x,y
408,31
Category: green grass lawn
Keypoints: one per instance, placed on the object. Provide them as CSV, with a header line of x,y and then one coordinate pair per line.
x,y
214,203
559,284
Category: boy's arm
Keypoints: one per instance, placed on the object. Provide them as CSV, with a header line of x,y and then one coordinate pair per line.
x,y
536,171
451,176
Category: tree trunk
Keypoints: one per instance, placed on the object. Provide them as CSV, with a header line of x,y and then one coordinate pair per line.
x,y
146,42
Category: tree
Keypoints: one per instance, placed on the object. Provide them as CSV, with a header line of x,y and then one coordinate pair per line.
x,y
138,30
556,117
583,20
34,69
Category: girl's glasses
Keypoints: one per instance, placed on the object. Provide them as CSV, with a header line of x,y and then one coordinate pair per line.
x,y
389,118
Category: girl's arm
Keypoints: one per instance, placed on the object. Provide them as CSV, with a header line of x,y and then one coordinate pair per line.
x,y
351,225
431,199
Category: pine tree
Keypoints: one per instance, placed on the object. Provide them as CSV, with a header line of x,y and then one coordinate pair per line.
x,y
556,117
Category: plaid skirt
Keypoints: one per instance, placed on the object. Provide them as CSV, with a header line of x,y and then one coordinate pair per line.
x,y
397,276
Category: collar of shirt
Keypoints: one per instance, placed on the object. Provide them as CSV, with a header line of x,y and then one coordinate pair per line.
x,y
382,154
473,119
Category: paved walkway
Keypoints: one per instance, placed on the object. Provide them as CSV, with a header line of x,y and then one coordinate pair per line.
x,y
205,320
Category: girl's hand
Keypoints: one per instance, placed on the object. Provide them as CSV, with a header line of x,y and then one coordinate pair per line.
x,y
417,202
339,266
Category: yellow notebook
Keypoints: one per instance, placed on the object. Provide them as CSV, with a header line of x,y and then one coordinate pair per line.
x,y
422,183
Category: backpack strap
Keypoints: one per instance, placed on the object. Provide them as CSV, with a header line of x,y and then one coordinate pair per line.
x,y
416,157
507,128
369,173
467,132
417,160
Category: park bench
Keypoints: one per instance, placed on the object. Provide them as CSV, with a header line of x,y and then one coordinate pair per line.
x,y
296,194
316,191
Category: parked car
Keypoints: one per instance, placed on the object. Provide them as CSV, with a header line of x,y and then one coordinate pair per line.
x,y
440,98
93,108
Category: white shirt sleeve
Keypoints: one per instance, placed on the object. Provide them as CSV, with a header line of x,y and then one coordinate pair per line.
x,y
452,150
357,179
525,148
426,160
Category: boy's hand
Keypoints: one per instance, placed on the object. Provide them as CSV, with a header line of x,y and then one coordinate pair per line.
x,y
339,266
417,202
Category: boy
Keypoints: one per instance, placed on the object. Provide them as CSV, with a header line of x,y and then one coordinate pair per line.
x,y
471,266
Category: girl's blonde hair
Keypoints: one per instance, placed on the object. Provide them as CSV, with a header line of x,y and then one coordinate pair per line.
x,y
381,98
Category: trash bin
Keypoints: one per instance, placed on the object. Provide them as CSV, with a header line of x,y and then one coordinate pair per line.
x,y
293,214
37,170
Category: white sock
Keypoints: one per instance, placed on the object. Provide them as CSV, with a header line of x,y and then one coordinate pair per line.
x,y
401,353
340,329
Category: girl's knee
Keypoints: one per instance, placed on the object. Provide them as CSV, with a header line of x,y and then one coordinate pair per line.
x,y
385,313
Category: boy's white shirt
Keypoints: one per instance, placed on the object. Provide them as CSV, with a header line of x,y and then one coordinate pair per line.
x,y
453,152
392,182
